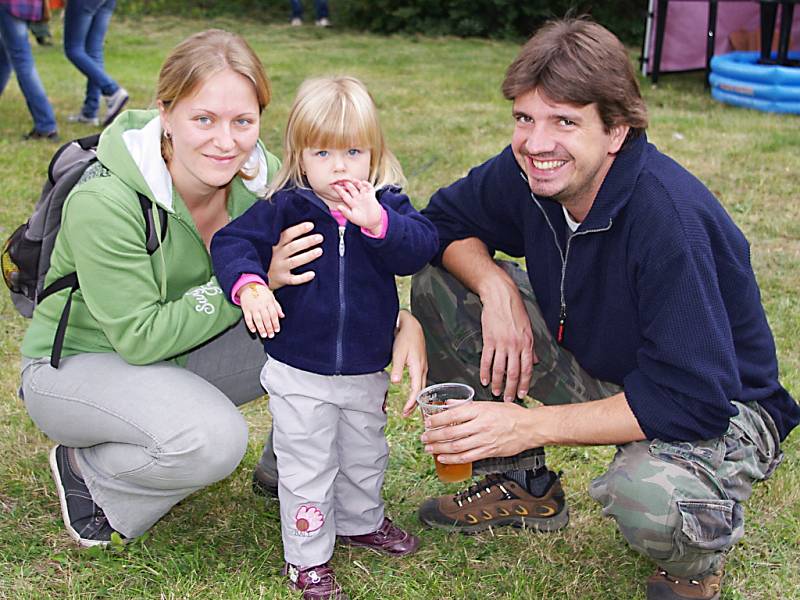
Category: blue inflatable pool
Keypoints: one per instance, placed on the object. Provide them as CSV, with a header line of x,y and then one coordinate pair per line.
x,y
738,79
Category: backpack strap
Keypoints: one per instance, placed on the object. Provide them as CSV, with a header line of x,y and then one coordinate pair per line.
x,y
70,280
152,241
86,143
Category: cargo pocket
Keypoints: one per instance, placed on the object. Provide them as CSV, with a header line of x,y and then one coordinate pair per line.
x,y
708,525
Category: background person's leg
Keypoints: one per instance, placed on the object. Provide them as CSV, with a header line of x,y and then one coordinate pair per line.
x,y
297,10
148,436
78,22
321,7
5,66
14,33
95,41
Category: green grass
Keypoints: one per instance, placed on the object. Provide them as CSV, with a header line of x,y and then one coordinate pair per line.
x,y
443,113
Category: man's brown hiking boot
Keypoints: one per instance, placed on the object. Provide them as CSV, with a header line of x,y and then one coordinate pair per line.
x,y
494,502
663,586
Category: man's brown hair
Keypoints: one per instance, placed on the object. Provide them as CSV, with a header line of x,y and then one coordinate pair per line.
x,y
576,61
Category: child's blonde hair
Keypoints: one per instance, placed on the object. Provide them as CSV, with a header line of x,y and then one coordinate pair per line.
x,y
335,112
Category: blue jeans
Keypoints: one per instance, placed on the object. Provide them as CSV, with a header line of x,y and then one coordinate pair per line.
x,y
321,7
15,52
85,26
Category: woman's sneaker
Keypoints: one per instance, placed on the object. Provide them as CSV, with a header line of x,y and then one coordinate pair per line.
x,y
85,521
316,583
388,538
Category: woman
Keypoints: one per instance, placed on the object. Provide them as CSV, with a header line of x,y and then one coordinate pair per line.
x,y
154,359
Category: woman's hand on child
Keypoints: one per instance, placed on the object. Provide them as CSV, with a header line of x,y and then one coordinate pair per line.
x,y
360,205
296,247
262,312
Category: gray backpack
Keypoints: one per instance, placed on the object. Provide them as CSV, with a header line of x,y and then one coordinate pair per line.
x,y
26,253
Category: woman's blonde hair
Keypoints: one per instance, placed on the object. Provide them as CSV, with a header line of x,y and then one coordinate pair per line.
x,y
335,112
198,58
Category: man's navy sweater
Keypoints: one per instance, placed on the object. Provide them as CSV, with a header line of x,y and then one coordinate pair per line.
x,y
342,321
659,293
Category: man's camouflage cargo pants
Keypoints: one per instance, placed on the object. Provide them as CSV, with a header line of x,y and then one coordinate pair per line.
x,y
678,503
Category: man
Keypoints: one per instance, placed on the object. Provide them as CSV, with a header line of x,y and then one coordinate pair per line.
x,y
646,315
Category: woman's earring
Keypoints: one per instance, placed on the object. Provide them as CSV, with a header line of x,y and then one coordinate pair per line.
x,y
167,134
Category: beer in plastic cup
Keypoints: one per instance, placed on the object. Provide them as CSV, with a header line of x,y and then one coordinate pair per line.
x,y
435,399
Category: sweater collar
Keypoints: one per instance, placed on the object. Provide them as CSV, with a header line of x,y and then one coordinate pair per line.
x,y
617,187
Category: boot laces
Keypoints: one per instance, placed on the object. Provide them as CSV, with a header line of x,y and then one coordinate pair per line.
x,y
474,491
675,580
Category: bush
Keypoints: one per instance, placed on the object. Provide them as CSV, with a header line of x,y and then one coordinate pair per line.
x,y
485,18
508,19
251,9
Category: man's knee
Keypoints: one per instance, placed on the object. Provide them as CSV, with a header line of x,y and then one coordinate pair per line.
x,y
666,511
423,300
451,317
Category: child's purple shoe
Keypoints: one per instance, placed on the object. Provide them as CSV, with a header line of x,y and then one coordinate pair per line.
x,y
388,539
316,583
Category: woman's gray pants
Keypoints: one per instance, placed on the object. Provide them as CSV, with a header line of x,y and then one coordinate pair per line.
x,y
148,436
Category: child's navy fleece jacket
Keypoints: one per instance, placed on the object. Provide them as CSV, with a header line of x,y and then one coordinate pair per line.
x,y
341,322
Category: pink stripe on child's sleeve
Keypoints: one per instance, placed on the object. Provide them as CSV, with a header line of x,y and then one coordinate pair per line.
x,y
384,226
243,281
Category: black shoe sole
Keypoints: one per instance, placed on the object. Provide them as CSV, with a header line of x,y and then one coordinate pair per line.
x,y
545,524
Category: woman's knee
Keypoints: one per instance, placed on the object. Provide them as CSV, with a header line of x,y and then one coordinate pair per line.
x,y
210,447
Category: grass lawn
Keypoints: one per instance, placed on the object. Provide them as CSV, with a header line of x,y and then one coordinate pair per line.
x,y
443,113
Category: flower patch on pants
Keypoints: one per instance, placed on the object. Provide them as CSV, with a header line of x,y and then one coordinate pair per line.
x,y
308,520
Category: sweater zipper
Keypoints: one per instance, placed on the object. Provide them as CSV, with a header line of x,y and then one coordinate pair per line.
x,y
562,313
342,307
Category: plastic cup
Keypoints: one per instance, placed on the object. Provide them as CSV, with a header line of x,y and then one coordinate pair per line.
x,y
438,398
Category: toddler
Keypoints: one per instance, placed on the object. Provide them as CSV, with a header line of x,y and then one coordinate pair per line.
x,y
329,340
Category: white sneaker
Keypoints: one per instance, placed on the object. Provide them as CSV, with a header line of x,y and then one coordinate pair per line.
x,y
114,104
296,22
79,117
323,22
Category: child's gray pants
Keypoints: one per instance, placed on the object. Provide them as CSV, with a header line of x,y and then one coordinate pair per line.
x,y
329,439
148,435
